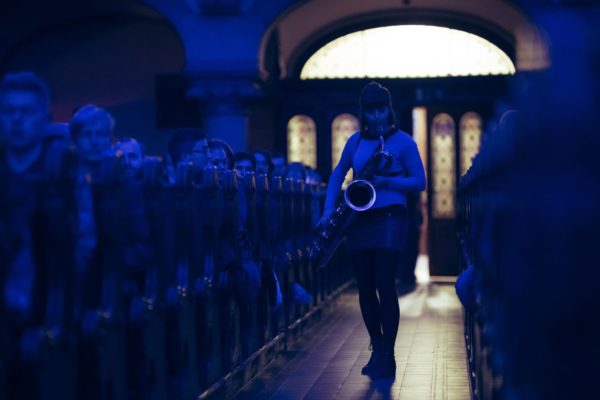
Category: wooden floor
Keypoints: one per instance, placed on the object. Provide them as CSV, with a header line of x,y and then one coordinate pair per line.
x,y
326,362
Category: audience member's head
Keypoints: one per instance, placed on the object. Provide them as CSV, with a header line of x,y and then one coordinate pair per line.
x,y
189,145
296,171
92,131
24,102
278,160
244,163
313,176
264,165
132,154
221,154
279,171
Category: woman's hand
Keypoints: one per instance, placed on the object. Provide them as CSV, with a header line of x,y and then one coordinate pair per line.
x,y
379,182
326,216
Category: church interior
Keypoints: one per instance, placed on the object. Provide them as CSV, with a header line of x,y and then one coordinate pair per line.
x,y
172,272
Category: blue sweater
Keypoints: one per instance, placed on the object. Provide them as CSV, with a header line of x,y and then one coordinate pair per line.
x,y
405,174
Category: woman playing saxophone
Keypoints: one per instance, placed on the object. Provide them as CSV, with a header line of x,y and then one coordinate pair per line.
x,y
375,236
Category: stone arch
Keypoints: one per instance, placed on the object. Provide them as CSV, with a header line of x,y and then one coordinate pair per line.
x,y
80,58
109,59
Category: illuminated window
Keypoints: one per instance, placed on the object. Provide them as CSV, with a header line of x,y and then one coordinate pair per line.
x,y
302,140
419,117
470,139
342,127
407,51
442,165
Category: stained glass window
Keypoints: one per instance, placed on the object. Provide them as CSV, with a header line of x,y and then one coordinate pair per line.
x,y
407,51
302,140
342,127
442,165
470,139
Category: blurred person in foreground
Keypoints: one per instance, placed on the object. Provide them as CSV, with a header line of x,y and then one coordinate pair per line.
x,y
118,199
41,235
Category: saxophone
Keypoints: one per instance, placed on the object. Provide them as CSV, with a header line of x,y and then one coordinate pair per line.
x,y
360,195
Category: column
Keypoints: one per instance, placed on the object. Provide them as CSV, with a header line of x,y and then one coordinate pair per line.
x,y
223,102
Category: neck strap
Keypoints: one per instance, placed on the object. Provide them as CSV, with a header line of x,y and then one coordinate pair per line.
x,y
368,135
365,135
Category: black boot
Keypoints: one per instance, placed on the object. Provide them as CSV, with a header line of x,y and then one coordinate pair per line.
x,y
386,364
376,346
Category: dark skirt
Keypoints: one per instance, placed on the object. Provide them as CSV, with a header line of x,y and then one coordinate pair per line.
x,y
380,228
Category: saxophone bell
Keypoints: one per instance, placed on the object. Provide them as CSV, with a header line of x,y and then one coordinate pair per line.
x,y
360,195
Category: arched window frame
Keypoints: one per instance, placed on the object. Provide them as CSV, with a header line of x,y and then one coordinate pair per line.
x,y
339,137
302,149
443,133
470,139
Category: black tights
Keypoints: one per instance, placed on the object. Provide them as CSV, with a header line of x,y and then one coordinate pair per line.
x,y
375,271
